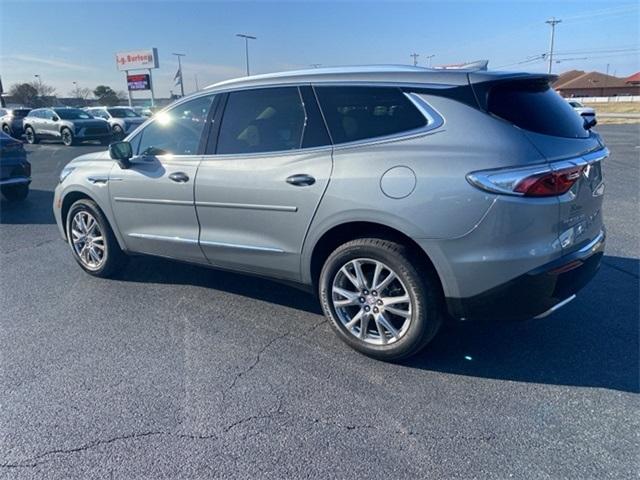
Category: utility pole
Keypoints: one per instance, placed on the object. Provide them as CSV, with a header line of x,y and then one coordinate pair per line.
x,y
553,22
246,46
430,57
196,79
180,70
415,58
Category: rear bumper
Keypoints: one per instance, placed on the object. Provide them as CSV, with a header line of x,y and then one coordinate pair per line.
x,y
538,292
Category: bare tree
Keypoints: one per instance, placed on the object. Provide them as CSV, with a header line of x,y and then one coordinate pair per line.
x,y
81,93
43,89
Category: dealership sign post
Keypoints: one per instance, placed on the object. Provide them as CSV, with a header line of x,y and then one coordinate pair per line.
x,y
138,60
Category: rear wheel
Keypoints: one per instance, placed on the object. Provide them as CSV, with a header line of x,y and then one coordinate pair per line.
x,y
92,241
6,129
15,192
30,135
67,137
379,300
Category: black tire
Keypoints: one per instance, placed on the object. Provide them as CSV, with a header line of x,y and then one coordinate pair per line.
x,y
7,129
114,258
422,288
30,135
118,133
67,137
15,193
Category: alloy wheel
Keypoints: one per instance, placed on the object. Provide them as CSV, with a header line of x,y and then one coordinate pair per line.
x,y
371,301
87,240
67,137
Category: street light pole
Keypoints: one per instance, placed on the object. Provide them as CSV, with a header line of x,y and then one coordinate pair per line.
x,y
415,58
553,22
180,70
246,46
430,57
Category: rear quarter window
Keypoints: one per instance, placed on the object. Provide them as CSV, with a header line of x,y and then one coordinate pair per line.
x,y
536,107
358,113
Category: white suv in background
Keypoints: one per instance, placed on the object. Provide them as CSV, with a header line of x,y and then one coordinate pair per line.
x,y
587,113
123,120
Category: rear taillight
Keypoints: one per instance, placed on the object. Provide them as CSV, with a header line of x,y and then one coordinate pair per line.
x,y
537,181
549,184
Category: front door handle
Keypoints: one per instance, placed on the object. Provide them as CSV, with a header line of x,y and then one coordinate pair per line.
x,y
301,180
179,177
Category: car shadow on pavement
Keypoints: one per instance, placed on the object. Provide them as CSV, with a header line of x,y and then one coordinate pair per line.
x,y
36,209
159,270
592,342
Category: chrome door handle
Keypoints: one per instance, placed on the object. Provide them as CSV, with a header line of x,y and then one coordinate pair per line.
x,y
179,177
301,180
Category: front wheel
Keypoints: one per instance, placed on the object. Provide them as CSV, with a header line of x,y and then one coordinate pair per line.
x,y
92,241
379,300
30,135
67,137
7,129
15,193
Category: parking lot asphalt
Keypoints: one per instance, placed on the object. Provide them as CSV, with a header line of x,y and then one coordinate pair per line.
x,y
177,371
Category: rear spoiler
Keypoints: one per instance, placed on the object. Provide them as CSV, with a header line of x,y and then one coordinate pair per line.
x,y
482,82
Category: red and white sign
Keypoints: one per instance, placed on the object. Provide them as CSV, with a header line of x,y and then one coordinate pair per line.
x,y
137,59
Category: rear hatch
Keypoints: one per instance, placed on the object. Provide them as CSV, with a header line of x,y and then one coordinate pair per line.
x,y
559,134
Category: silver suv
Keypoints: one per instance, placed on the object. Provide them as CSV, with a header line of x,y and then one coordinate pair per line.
x,y
70,125
122,120
398,194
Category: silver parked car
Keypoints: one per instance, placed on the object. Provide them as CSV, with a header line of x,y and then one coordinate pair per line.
x,y
70,125
122,120
398,194
11,121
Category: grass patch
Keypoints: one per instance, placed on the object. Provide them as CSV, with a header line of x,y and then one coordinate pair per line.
x,y
615,107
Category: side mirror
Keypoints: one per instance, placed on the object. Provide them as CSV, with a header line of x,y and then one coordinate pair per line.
x,y
122,153
589,124
55,118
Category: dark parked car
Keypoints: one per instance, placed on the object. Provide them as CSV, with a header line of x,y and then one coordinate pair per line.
x,y
15,170
71,125
122,120
11,120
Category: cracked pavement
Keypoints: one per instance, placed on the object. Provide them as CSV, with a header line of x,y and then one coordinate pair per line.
x,y
176,371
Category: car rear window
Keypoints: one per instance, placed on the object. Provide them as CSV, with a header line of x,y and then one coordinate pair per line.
x,y
536,107
357,113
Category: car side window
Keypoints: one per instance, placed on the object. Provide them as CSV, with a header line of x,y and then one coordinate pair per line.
x,y
358,113
176,131
262,120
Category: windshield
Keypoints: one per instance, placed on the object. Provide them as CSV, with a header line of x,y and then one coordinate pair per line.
x,y
122,112
72,114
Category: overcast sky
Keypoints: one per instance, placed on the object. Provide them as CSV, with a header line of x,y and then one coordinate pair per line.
x,y
67,41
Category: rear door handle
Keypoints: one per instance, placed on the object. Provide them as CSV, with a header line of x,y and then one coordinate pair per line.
x,y
179,177
301,180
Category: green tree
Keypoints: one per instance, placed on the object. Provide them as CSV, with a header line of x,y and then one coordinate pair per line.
x,y
106,95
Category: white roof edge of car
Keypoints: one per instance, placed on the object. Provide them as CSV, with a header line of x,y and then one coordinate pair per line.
x,y
397,74
378,73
